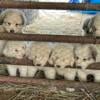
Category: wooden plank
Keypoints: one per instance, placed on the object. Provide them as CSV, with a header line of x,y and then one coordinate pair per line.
x,y
27,62
49,38
48,5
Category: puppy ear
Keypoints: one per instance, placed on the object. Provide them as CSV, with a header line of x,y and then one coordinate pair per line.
x,y
85,26
92,28
93,52
3,15
24,20
89,27
6,49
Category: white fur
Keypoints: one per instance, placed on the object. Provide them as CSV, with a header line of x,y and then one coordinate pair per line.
x,y
83,56
97,24
2,45
70,73
97,49
39,53
62,56
50,72
16,18
31,71
12,70
15,49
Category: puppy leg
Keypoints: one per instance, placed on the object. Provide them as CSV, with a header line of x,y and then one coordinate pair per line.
x,y
82,75
31,71
22,71
50,73
12,70
70,74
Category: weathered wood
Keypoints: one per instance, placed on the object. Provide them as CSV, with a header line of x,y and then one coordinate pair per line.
x,y
48,5
49,38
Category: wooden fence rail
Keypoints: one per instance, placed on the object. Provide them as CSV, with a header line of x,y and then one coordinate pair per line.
x,y
50,38
48,5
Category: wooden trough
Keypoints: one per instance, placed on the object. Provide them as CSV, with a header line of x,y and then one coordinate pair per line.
x,y
88,89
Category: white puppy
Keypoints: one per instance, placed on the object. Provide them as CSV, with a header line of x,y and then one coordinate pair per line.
x,y
12,21
84,55
15,49
39,53
62,56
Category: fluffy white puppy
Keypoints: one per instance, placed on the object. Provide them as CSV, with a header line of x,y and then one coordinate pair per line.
x,y
12,21
84,55
62,56
15,49
39,53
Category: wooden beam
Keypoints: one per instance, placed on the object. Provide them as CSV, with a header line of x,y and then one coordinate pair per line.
x,y
27,62
48,5
49,38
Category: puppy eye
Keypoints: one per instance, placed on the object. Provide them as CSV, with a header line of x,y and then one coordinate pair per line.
x,y
18,24
23,47
77,58
84,59
16,50
9,23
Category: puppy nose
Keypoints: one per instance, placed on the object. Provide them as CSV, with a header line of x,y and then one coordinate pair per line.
x,y
78,66
58,66
12,31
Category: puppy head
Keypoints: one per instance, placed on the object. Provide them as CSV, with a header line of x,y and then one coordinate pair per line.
x,y
84,55
13,20
15,49
65,59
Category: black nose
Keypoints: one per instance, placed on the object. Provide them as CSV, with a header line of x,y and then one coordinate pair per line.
x,y
58,66
12,31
